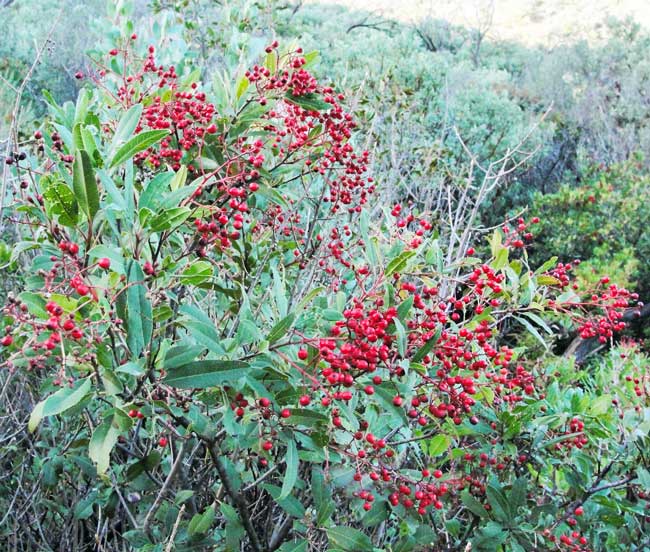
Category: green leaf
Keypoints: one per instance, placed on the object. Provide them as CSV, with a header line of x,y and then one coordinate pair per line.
x,y
127,125
169,218
291,472
139,312
206,373
398,263
347,538
201,523
290,504
473,505
498,502
294,546
59,402
153,195
138,143
61,201
197,273
426,348
501,258
281,328
310,102
439,444
84,184
102,443
532,330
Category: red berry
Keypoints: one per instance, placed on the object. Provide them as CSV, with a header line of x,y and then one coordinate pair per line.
x,y
104,263
285,413
579,511
113,52
304,400
162,441
6,341
133,413
303,354
264,402
211,129
397,401
267,445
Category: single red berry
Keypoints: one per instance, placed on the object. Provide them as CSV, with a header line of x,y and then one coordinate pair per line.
x,y
267,445
162,441
113,52
104,263
6,341
397,401
78,75
38,135
304,400
73,249
579,511
303,354
211,129
264,402
133,413
285,413
437,474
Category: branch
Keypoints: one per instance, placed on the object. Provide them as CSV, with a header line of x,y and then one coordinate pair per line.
x,y
238,499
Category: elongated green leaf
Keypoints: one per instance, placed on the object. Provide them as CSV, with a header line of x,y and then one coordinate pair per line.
x,y
84,184
139,312
126,126
294,546
426,348
102,443
349,539
291,471
197,273
398,263
59,402
61,201
138,143
473,505
439,444
281,328
310,102
206,373
200,523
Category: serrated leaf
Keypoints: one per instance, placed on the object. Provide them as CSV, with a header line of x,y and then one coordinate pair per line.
x,y
399,263
139,311
311,102
84,184
473,505
349,539
206,373
196,273
439,444
281,328
201,523
60,200
138,143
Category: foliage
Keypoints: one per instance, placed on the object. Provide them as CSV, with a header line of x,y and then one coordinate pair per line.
x,y
218,346
602,222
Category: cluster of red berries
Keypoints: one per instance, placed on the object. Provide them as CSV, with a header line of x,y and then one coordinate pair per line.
x,y
518,236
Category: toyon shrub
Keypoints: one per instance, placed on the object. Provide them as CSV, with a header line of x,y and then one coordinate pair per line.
x,y
230,354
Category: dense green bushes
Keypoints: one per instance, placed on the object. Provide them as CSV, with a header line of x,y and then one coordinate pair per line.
x,y
246,319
